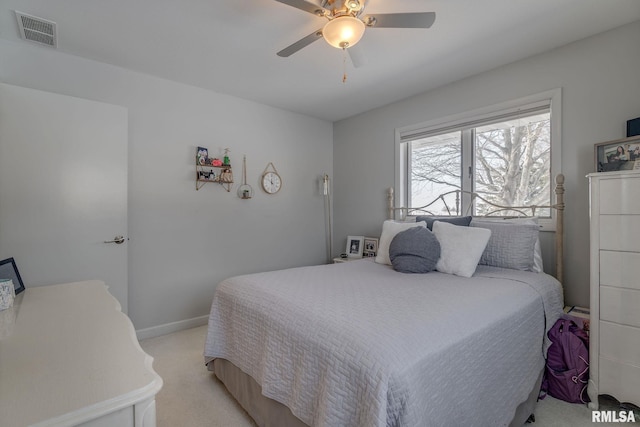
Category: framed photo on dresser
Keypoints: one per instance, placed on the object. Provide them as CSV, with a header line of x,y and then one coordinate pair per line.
x,y
619,155
9,270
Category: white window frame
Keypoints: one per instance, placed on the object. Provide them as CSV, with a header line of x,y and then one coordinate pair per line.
x,y
403,135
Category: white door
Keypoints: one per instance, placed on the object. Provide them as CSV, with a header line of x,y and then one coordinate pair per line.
x,y
63,188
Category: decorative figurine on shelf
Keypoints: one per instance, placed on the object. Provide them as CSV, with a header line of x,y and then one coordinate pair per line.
x,y
225,160
226,176
216,162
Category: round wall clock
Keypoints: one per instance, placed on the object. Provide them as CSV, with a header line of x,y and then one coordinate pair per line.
x,y
271,180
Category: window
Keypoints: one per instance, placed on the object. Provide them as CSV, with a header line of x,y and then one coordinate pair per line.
x,y
508,154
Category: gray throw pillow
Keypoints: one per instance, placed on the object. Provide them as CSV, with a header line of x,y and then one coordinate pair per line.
x,y
455,220
415,250
510,246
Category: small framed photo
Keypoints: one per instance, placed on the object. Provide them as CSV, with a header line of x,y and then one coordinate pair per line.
x,y
9,270
202,156
355,245
370,247
619,155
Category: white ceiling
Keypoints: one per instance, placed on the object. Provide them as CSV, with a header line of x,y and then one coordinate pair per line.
x,y
229,46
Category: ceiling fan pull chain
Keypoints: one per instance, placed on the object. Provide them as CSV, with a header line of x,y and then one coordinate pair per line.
x,y
344,65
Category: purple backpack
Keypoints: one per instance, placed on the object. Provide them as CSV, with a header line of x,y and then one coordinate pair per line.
x,y
567,370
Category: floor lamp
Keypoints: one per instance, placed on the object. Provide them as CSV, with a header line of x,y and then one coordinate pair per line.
x,y
327,202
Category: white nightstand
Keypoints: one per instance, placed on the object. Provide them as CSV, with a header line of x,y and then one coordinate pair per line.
x,y
338,260
575,311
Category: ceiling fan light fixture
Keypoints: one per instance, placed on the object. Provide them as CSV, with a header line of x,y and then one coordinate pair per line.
x,y
343,31
354,5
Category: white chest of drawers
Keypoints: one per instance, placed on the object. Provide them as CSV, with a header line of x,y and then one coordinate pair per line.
x,y
69,357
615,287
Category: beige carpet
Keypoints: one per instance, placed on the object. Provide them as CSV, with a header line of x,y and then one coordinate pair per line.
x,y
192,397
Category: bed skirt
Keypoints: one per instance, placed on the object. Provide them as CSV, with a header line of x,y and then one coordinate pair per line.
x,y
269,413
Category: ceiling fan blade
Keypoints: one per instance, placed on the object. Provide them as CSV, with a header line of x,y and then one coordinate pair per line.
x,y
400,20
306,6
358,58
303,42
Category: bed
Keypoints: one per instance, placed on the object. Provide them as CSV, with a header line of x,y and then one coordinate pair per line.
x,y
360,344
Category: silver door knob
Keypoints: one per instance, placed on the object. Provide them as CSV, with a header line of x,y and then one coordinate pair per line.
x,y
117,240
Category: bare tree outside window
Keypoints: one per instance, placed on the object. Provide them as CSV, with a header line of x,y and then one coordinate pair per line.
x,y
436,163
513,161
512,164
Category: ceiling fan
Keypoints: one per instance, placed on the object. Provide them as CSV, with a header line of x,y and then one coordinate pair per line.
x,y
347,23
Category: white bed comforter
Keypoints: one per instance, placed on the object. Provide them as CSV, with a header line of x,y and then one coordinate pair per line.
x,y
359,344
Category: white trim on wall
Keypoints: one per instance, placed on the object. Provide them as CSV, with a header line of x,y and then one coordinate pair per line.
x,y
167,328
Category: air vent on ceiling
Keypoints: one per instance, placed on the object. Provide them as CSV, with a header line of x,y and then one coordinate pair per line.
x,y
37,29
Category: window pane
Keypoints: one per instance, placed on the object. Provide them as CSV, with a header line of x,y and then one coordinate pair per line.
x,y
435,165
512,164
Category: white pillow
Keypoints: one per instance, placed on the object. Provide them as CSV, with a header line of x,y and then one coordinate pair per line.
x,y
389,230
538,266
460,248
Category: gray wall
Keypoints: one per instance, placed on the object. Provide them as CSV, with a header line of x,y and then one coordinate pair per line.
x,y
600,92
183,241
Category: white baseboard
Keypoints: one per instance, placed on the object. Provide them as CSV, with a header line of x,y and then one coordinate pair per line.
x,y
168,328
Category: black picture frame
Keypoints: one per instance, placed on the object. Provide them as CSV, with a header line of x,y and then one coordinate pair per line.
x,y
9,270
633,127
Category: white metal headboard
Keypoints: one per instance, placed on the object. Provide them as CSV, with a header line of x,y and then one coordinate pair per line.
x,y
558,206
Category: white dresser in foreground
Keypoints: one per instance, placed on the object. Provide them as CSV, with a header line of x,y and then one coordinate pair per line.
x,y
615,287
69,357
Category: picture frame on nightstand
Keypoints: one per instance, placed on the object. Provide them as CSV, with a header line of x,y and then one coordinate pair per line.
x,y
370,247
355,246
